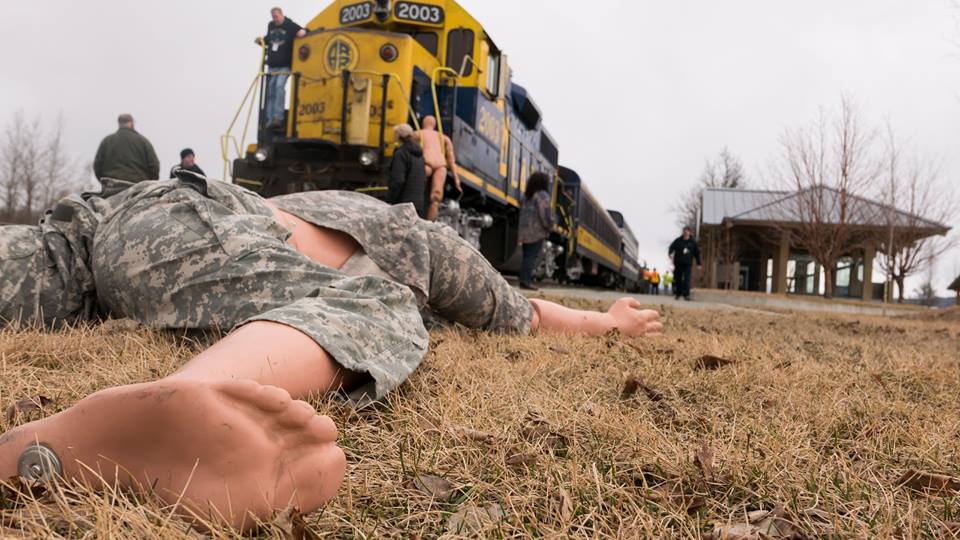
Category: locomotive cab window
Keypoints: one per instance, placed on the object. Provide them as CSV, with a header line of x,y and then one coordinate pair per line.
x,y
459,47
493,70
427,40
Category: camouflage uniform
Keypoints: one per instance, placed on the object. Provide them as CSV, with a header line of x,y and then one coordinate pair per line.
x,y
45,272
445,273
195,254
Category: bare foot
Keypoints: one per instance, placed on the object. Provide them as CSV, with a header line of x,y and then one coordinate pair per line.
x,y
633,321
230,448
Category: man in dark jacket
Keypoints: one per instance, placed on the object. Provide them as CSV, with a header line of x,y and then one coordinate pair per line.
x,y
278,45
188,162
683,251
126,155
408,178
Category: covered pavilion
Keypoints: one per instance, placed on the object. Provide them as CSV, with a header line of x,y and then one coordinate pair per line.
x,y
755,231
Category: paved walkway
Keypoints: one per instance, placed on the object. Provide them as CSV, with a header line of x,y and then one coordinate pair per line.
x,y
717,300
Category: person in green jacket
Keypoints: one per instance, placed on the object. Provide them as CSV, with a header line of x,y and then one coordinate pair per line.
x,y
126,155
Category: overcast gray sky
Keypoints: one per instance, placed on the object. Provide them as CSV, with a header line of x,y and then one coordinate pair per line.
x,y
638,94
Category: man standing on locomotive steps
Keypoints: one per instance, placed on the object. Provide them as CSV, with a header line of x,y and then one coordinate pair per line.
x,y
279,58
683,251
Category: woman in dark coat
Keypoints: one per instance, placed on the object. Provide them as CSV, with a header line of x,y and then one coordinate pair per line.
x,y
536,222
408,178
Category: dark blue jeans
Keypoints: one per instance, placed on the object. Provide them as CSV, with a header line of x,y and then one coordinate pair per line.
x,y
276,99
681,279
531,256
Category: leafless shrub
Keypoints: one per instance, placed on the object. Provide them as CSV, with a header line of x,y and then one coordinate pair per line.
x,y
913,187
726,172
35,169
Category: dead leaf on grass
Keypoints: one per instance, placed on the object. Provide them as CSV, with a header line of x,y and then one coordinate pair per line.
x,y
675,493
927,481
434,486
15,491
704,460
476,435
761,524
566,506
26,406
633,384
950,527
473,519
292,526
536,430
709,361
559,350
521,459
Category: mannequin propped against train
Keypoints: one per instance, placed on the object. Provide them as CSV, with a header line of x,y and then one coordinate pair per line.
x,y
439,157
323,292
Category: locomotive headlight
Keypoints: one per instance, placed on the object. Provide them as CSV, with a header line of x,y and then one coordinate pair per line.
x,y
389,52
368,158
303,52
261,155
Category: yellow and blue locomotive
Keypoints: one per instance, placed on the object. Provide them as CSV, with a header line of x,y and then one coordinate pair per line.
x,y
366,66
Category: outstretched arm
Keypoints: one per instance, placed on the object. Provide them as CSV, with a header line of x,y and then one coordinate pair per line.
x,y
625,315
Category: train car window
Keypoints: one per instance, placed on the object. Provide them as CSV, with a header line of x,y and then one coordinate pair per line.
x,y
493,72
460,46
427,40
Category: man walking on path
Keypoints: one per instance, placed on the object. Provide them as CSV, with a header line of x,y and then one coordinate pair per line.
x,y
126,155
655,282
279,50
667,282
684,250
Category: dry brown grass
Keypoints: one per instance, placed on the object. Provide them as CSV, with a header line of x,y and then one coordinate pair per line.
x,y
819,415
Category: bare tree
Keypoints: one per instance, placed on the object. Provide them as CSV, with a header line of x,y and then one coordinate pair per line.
x,y
726,171
35,169
827,164
926,292
915,200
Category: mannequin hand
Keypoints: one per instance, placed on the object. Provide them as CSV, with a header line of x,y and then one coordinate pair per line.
x,y
633,321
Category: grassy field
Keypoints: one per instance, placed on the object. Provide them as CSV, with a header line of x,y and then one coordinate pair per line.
x,y
731,425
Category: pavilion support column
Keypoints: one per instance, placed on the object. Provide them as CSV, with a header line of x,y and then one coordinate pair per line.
x,y
780,266
764,272
868,254
712,263
816,279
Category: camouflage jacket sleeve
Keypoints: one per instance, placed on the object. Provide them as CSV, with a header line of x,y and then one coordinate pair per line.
x,y
45,273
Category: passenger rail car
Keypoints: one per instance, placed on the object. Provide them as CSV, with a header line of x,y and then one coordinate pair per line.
x,y
593,253
630,271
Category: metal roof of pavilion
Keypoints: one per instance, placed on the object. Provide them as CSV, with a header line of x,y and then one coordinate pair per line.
x,y
787,207
720,203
